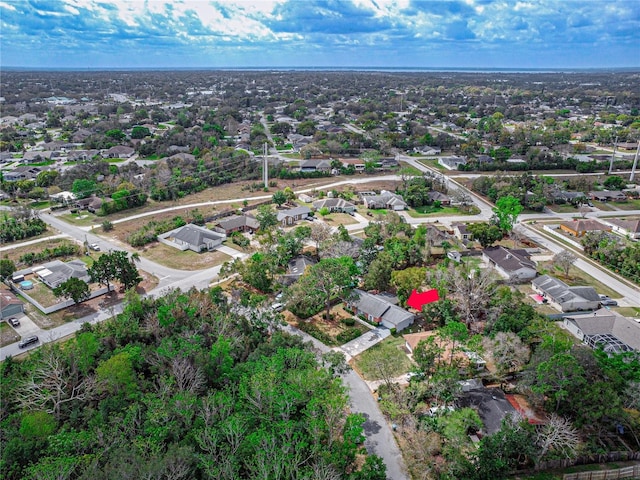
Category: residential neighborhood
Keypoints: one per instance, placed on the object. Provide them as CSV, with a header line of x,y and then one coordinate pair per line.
x,y
449,251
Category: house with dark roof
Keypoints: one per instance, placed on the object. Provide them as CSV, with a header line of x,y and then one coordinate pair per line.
x,y
296,268
461,232
118,151
566,298
439,197
192,237
334,205
24,172
608,195
378,309
605,328
578,228
562,196
514,265
490,403
315,166
388,200
237,223
293,215
626,228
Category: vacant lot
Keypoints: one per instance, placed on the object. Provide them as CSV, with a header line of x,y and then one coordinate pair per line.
x,y
187,260
388,356
329,332
14,254
335,219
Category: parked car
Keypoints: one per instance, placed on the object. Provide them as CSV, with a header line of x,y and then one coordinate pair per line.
x,y
277,307
608,303
14,322
95,247
25,342
604,297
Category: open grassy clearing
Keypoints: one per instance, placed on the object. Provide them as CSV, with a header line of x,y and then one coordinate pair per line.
x,y
7,334
335,219
564,208
433,211
433,164
392,350
187,260
628,205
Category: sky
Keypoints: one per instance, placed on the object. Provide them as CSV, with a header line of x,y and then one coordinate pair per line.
x,y
482,34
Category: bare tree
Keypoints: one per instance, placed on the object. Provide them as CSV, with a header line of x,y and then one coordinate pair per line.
x,y
508,351
320,233
472,291
558,436
188,377
54,383
564,260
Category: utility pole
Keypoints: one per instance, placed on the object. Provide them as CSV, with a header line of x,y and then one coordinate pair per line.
x,y
615,145
266,166
635,163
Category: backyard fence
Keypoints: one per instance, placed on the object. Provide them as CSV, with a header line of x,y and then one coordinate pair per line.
x,y
626,472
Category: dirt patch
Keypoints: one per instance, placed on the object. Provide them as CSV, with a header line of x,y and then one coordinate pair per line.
x,y
327,331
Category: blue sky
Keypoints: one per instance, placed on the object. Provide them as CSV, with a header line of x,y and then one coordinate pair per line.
x,y
320,33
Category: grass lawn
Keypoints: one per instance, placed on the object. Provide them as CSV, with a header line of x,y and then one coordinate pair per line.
x,y
81,219
628,311
628,205
432,210
563,208
391,349
410,170
187,260
578,278
335,219
604,206
42,294
433,164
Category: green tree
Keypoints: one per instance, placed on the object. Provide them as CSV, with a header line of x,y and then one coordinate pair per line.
x,y
615,182
267,217
279,198
140,132
83,187
506,212
73,288
7,267
485,233
405,281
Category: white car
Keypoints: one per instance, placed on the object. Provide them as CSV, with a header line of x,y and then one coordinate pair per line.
x,y
95,247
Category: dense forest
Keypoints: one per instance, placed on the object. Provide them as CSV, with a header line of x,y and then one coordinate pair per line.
x,y
179,387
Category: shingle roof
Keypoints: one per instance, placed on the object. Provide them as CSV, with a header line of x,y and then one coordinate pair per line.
x,y
196,236
561,292
509,260
605,322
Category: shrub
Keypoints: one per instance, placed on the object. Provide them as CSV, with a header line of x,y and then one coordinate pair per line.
x,y
348,335
349,321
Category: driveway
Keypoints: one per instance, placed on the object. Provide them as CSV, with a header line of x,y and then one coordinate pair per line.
x,y
365,341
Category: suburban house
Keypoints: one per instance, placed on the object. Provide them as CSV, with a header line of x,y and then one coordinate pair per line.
x,y
291,216
21,173
56,272
562,196
605,328
89,203
357,164
192,237
37,156
82,155
439,197
296,268
119,151
564,297
491,404
10,305
436,236
334,205
608,195
237,223
378,309
315,166
626,228
577,228
452,163
461,232
514,265
386,200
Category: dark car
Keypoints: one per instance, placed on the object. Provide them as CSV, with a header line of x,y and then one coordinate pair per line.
x,y
14,322
25,342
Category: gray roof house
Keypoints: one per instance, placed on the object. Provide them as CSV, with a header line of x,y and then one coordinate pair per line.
x,y
315,166
334,205
605,328
10,305
296,268
291,216
237,223
55,273
564,297
514,265
386,200
379,309
192,237
119,151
